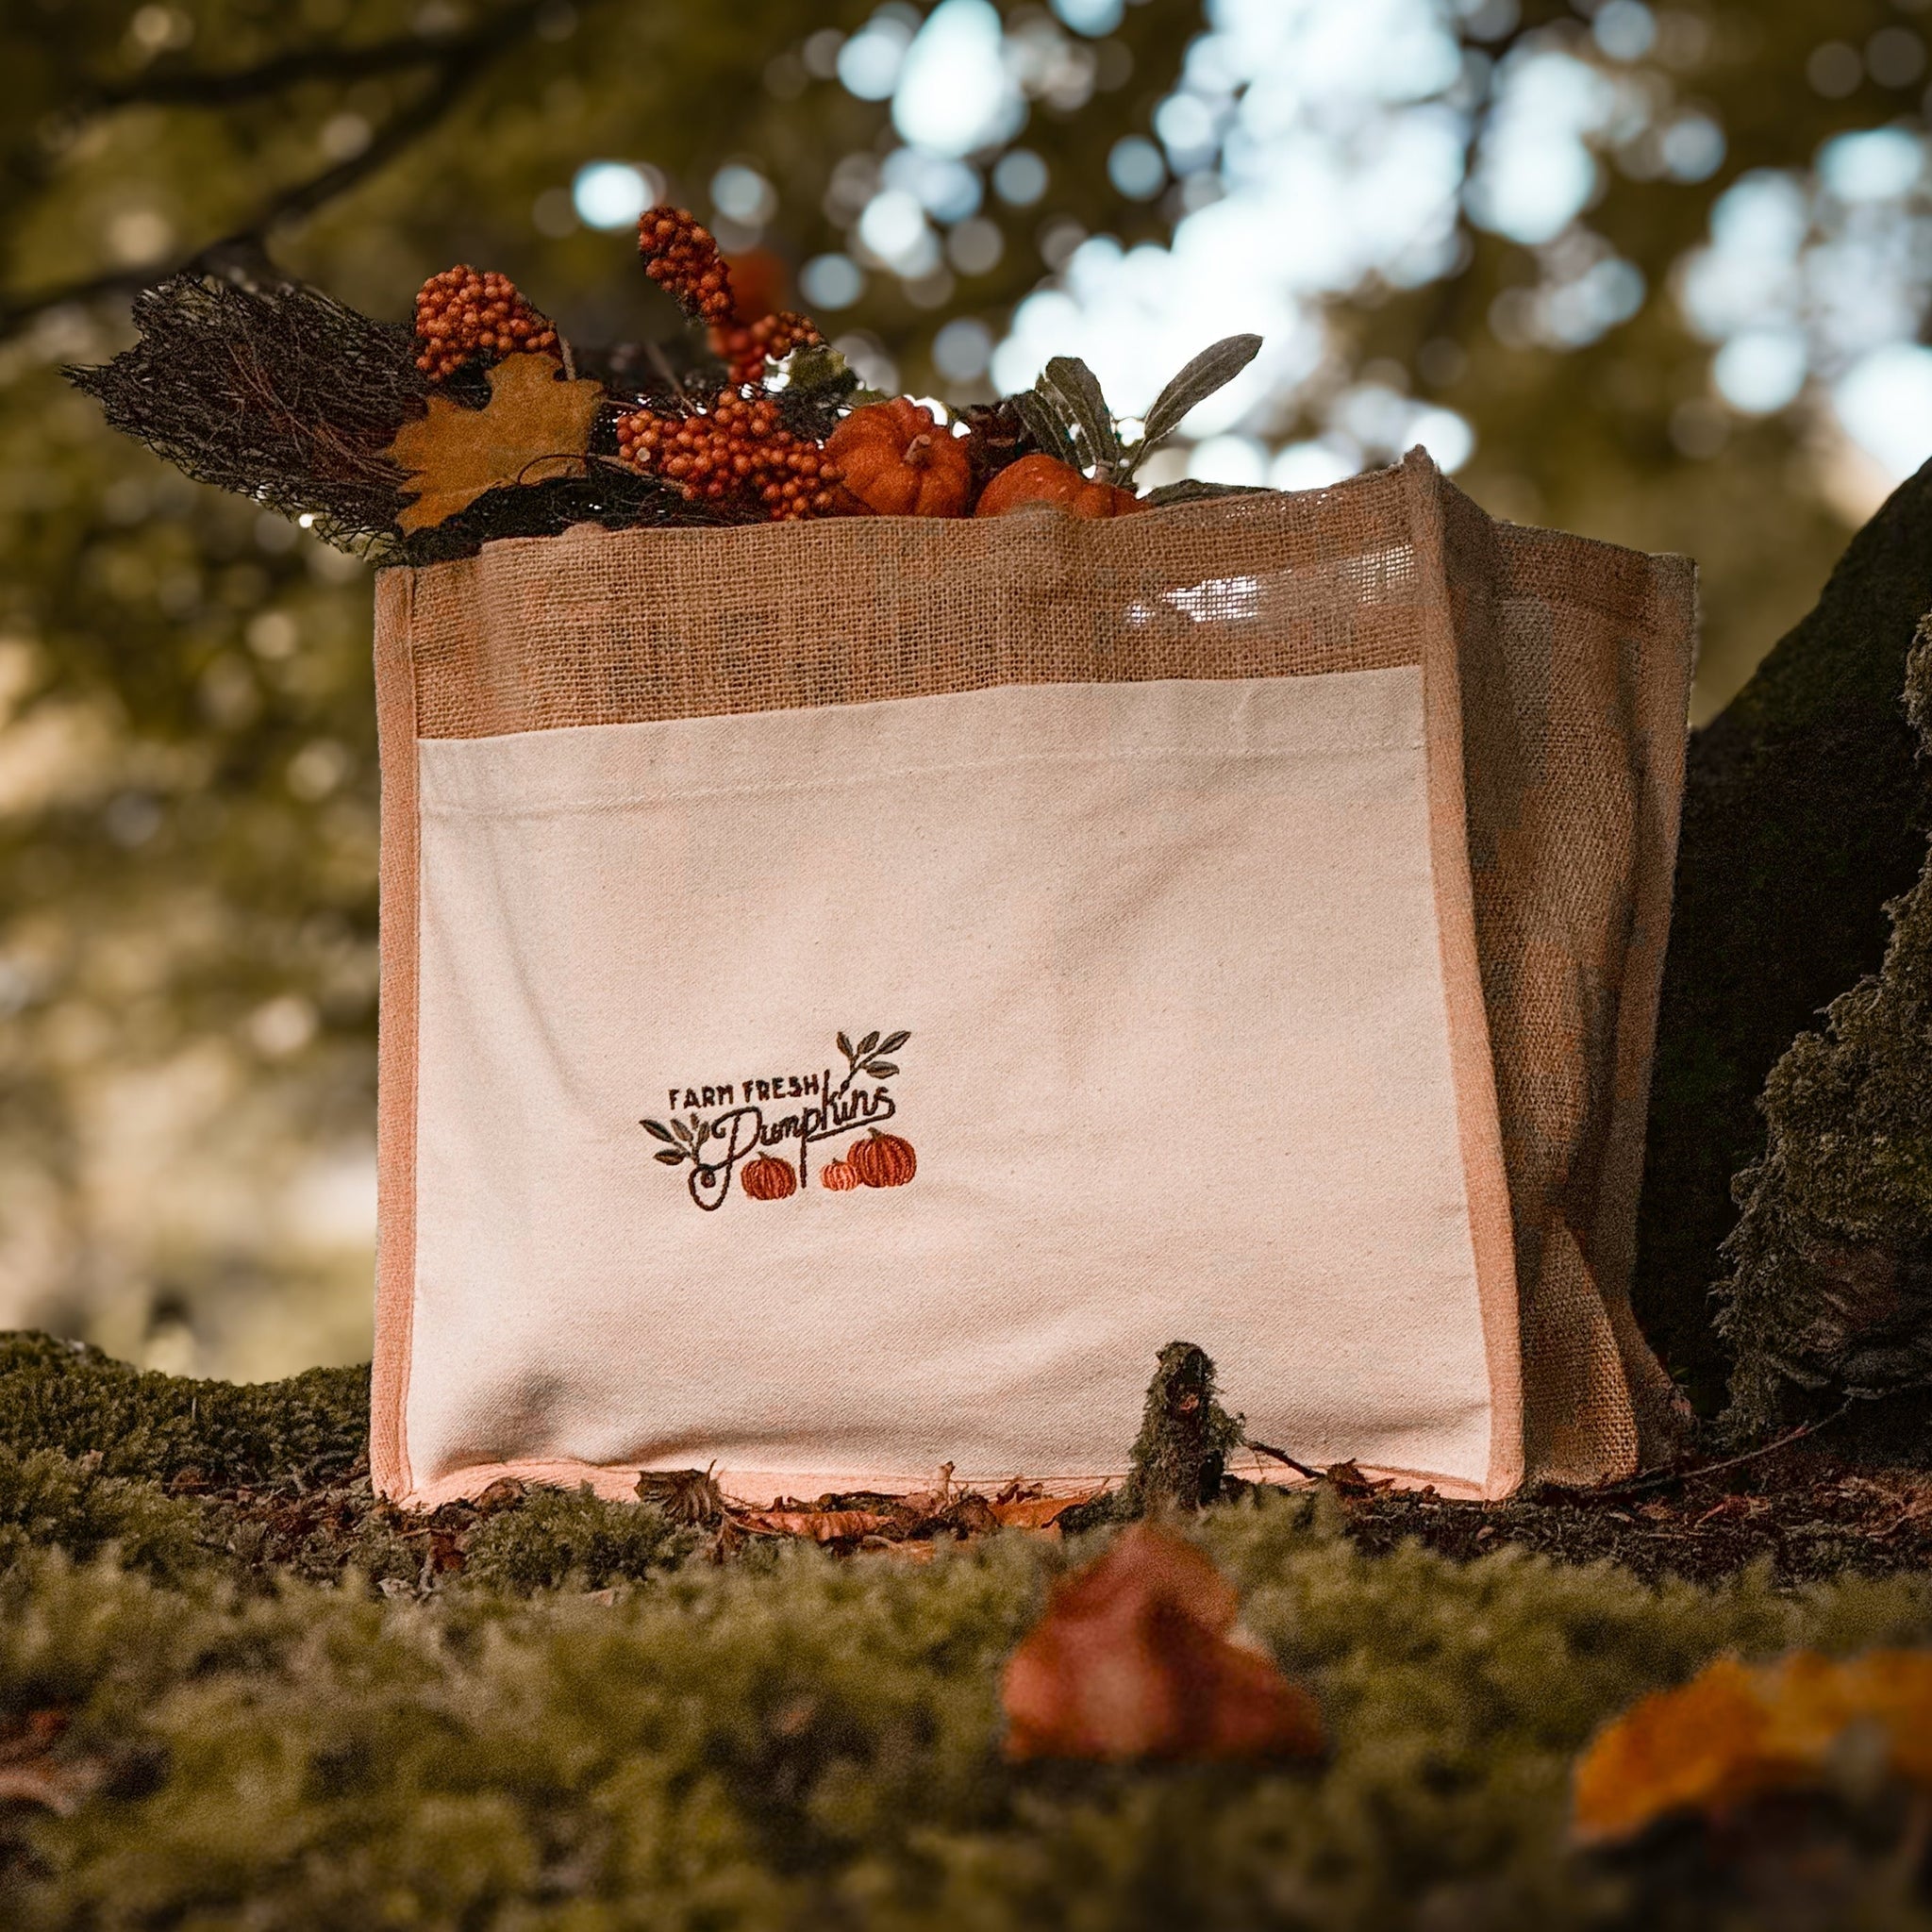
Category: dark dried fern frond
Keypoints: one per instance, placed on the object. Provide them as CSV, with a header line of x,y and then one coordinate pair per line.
x,y
617,498
273,390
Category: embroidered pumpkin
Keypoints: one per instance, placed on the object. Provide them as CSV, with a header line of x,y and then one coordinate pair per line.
x,y
898,461
1046,479
839,1176
766,1179
883,1160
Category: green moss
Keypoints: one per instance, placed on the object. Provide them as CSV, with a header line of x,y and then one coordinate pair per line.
x,y
1803,817
1181,1451
817,1743
564,1539
48,1500
1180,1456
1831,1282
62,1395
284,1712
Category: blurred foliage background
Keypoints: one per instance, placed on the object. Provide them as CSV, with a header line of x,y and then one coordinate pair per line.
x,y
1652,273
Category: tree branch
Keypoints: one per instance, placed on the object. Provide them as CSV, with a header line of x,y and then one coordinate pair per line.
x,y
199,88
461,61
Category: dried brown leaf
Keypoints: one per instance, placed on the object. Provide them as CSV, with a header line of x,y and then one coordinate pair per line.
x,y
1035,1512
1347,1479
819,1525
1133,1658
536,426
690,1496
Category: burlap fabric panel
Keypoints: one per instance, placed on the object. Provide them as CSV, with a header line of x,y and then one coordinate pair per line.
x,y
1576,660
1574,663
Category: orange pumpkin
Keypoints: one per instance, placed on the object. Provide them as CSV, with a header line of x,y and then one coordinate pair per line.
x,y
898,462
1046,479
766,1179
839,1176
883,1160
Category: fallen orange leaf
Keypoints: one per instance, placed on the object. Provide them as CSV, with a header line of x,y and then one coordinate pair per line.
x,y
1702,1746
1895,1686
1735,1732
1132,1658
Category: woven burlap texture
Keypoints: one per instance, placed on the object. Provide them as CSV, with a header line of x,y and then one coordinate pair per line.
x,y
1574,661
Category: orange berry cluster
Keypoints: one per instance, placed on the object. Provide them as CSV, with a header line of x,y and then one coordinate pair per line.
x,y
682,257
745,348
461,312
737,453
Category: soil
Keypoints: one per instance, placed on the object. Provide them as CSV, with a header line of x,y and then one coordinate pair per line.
x,y
1808,1514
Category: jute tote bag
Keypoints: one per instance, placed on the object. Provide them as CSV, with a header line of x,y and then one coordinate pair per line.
x,y
853,992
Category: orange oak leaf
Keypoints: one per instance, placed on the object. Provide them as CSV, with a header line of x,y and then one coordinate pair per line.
x,y
1735,1732
536,425
1133,1659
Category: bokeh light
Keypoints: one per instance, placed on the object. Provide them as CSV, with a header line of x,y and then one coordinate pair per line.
x,y
612,195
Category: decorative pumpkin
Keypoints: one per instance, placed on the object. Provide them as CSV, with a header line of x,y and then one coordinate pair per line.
x,y
883,1160
897,461
839,1176
1046,479
766,1179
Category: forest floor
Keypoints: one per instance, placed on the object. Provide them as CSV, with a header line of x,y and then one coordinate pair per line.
x,y
1802,1513
237,1687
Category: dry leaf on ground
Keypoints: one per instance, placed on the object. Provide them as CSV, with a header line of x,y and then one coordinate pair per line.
x,y
1035,1512
1133,1659
29,1773
1735,1732
818,1525
946,1509
536,426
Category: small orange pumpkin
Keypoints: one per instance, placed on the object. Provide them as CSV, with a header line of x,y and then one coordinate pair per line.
x,y
883,1160
898,462
1046,479
766,1179
839,1176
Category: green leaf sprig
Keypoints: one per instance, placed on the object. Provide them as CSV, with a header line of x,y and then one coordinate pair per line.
x,y
1066,413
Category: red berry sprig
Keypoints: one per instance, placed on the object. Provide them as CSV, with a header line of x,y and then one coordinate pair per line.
x,y
735,452
461,313
681,256
746,347
738,453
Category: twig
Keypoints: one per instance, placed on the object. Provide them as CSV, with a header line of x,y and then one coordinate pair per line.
x,y
661,363
1282,1456
1658,1479
189,87
460,62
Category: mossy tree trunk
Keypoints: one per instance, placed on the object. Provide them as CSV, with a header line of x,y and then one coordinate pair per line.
x,y
1803,816
1831,1286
